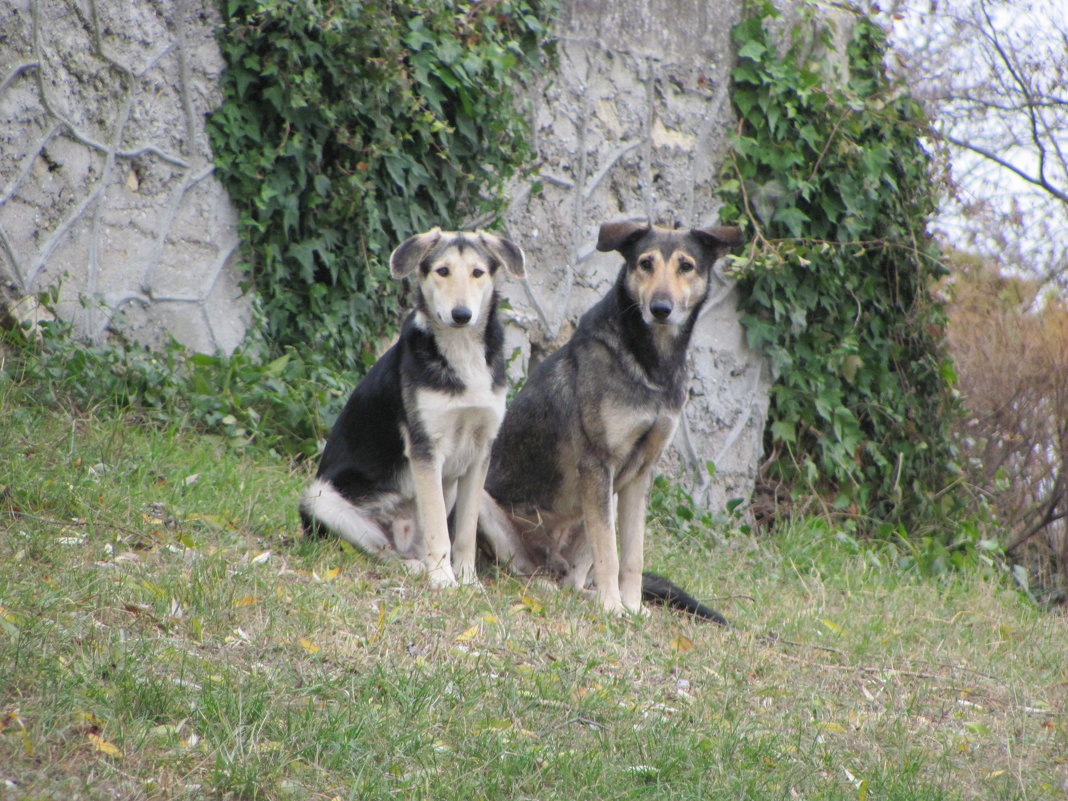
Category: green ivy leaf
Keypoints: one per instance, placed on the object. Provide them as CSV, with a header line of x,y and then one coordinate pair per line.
x,y
836,287
346,127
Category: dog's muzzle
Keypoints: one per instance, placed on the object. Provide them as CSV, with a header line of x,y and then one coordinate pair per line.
x,y
461,315
661,310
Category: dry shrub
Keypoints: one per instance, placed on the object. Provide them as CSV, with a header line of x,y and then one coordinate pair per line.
x,y
1010,343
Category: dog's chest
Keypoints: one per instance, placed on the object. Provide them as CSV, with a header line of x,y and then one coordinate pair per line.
x,y
635,437
462,424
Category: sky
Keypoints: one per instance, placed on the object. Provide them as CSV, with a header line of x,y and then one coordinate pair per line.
x,y
994,74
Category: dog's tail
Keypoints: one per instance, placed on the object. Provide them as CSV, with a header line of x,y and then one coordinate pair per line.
x,y
658,590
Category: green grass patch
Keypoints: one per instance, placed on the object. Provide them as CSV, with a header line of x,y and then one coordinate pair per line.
x,y
165,633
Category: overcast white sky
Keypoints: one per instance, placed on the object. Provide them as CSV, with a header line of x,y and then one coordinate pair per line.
x,y
973,62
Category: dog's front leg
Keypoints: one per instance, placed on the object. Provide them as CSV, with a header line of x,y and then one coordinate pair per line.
x,y
433,519
633,500
597,509
468,491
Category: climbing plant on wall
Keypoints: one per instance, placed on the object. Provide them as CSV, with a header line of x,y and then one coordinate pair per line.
x,y
348,126
829,175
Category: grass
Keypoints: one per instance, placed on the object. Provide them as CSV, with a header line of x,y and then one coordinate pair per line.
x,y
165,633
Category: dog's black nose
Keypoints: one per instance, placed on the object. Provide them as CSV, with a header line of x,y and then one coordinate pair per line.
x,y
461,315
660,309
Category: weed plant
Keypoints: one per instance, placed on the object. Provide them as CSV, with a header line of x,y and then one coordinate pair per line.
x,y
283,404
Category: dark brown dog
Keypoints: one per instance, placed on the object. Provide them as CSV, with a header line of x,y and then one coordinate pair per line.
x,y
573,461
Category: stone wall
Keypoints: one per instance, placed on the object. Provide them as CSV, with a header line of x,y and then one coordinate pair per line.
x,y
634,123
106,184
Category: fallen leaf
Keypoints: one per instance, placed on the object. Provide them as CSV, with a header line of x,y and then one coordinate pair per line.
x,y
246,600
166,729
90,718
470,634
308,645
12,618
682,643
531,605
102,745
330,574
212,522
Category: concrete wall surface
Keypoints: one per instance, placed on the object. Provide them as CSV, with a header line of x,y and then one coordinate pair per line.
x,y
634,123
106,182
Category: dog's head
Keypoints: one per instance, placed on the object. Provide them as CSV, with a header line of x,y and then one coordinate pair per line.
x,y
455,272
666,271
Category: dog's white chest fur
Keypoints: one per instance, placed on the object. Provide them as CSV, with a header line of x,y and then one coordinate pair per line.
x,y
462,424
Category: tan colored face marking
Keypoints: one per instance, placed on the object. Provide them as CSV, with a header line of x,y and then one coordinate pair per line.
x,y
666,289
458,286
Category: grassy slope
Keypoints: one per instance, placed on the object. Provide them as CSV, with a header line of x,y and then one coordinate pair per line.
x,y
165,634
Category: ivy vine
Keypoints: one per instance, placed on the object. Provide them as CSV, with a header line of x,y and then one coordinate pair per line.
x,y
828,172
348,126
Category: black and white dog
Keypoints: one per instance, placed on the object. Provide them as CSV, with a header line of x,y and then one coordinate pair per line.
x,y
412,444
573,462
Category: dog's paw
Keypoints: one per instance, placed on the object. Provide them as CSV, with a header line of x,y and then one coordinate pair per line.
x,y
638,611
466,574
632,602
441,577
627,611
612,605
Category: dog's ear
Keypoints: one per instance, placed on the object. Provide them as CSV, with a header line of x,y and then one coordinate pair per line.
x,y
411,251
617,235
720,238
506,252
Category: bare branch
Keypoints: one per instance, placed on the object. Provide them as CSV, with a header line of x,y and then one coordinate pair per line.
x,y
1040,180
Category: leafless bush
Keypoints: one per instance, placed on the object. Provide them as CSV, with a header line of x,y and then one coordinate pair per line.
x,y
1010,343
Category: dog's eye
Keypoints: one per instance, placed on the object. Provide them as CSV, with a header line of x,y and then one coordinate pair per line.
x,y
443,272
478,272
646,264
685,266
